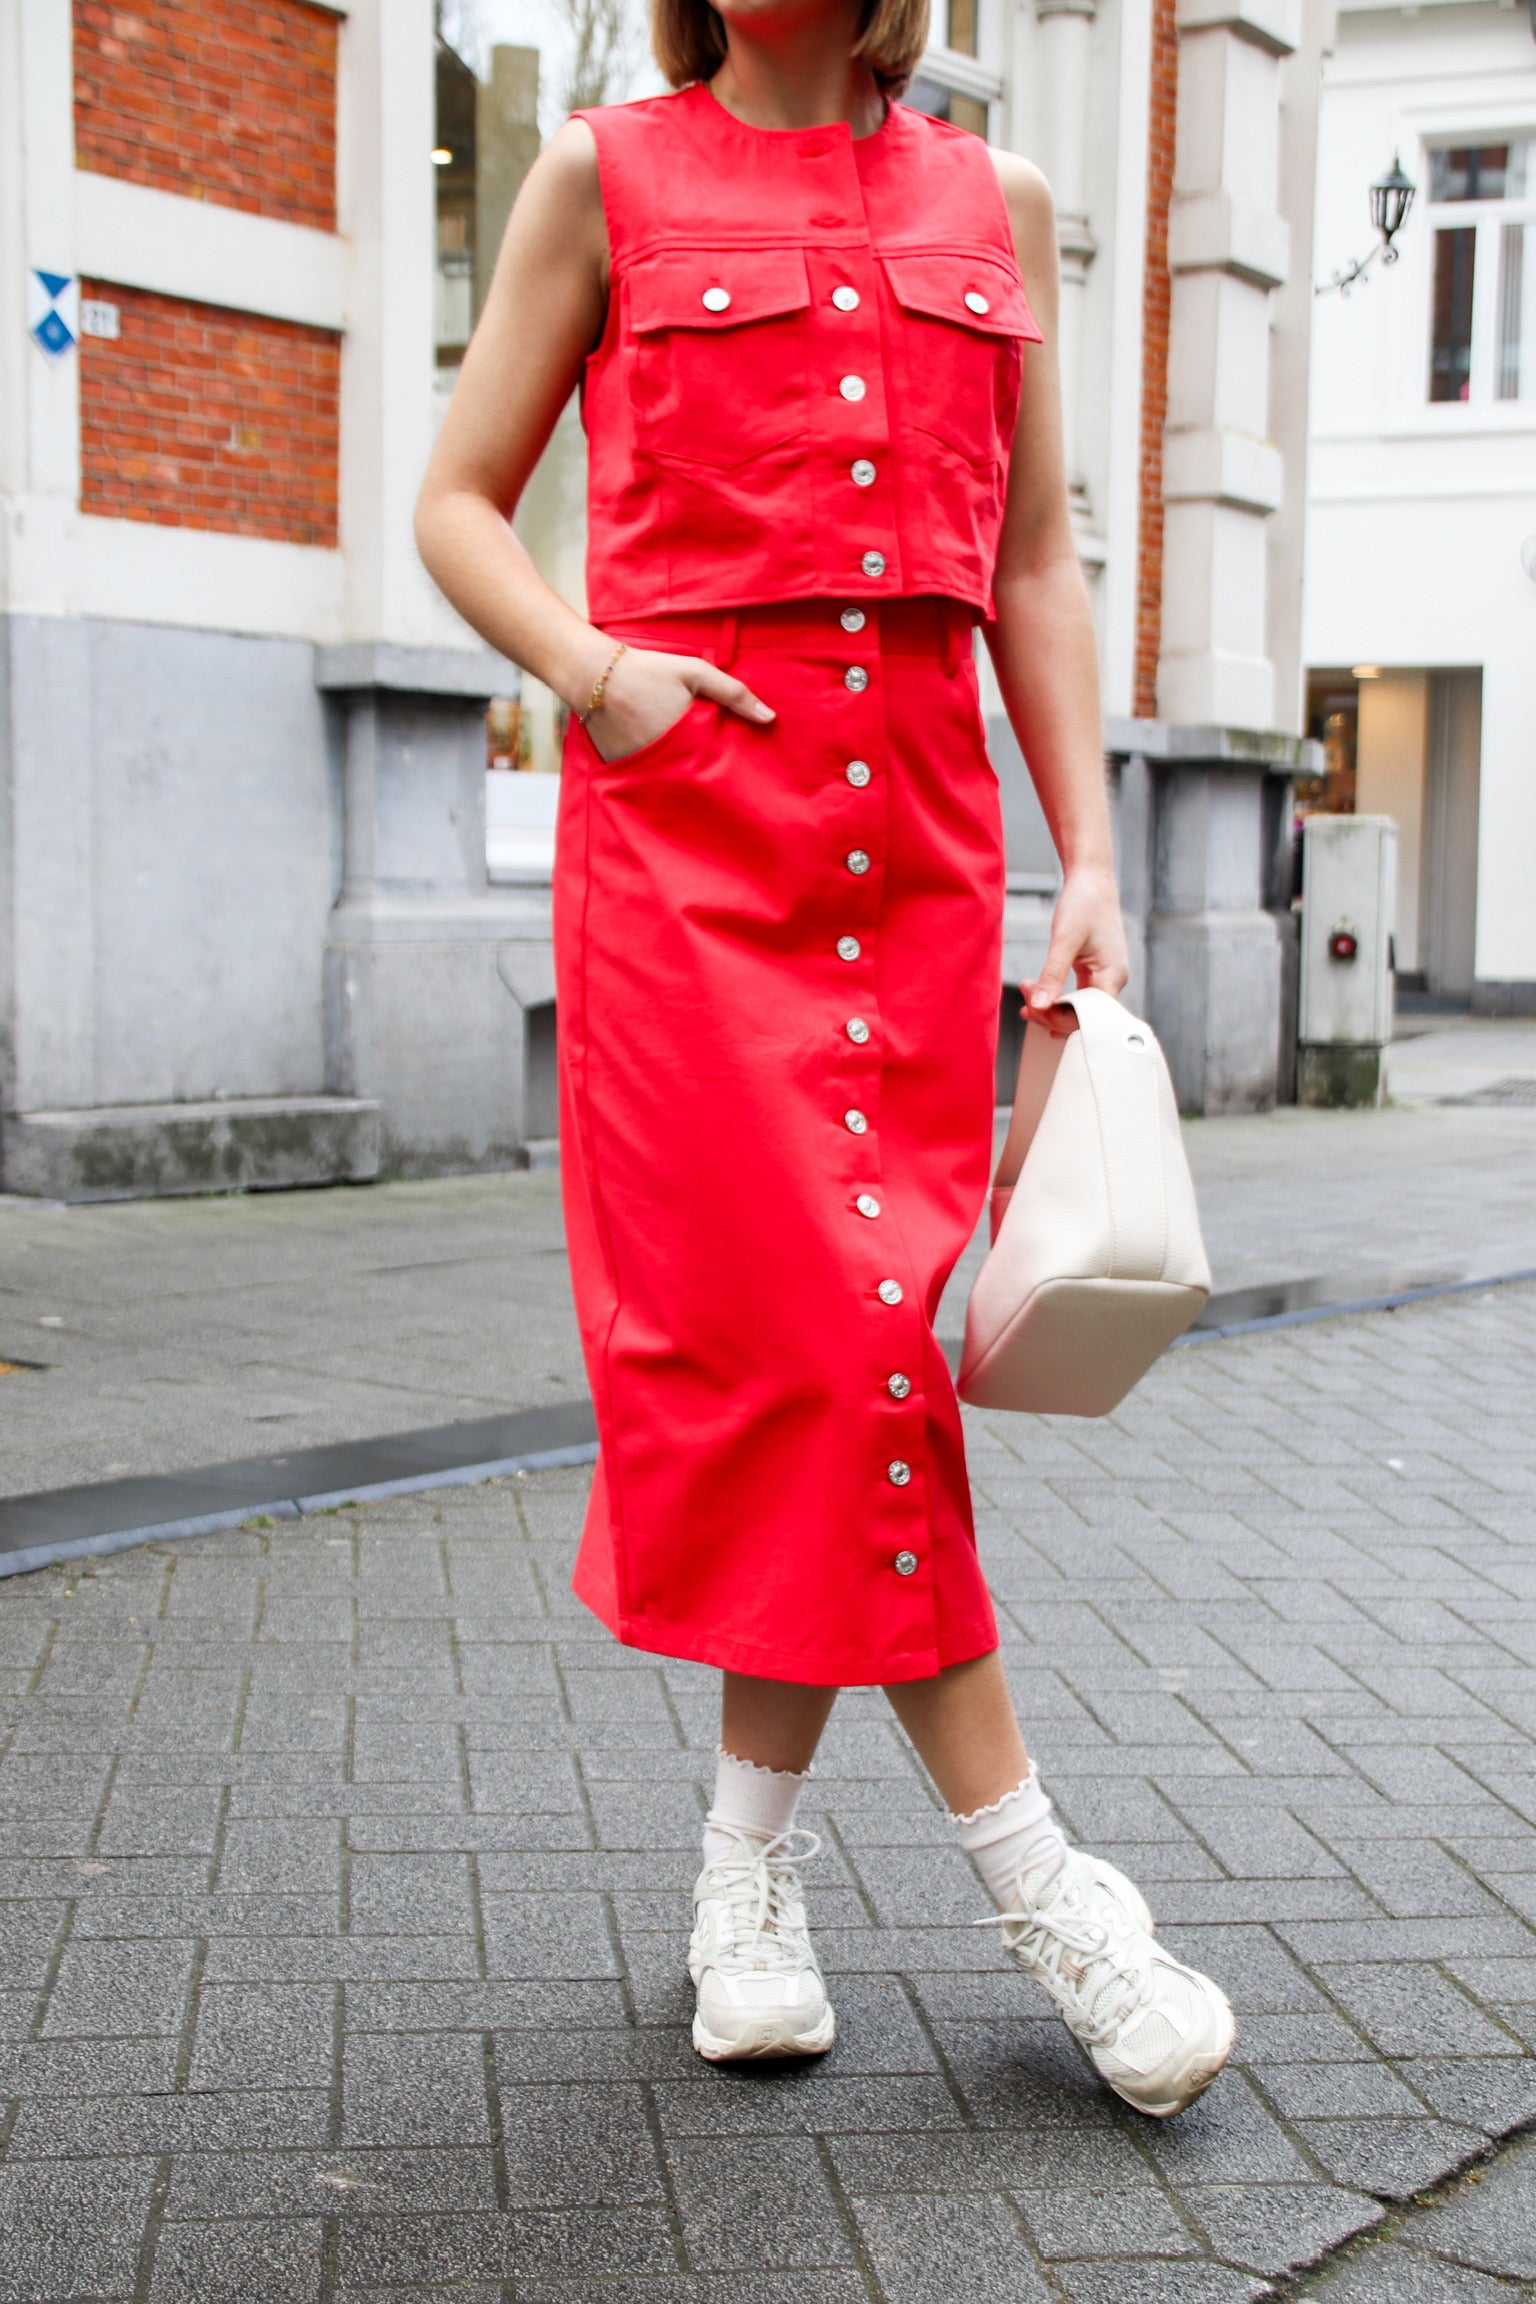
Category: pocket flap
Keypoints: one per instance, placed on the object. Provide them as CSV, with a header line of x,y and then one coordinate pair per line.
x,y
715,287
979,292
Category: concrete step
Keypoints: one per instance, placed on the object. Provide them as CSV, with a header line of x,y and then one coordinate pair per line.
x,y
231,1144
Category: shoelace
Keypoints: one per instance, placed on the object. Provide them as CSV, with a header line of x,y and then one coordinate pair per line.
x,y
759,1886
1110,1985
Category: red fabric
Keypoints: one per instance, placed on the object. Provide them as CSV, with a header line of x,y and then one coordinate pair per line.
x,y
726,1283
721,442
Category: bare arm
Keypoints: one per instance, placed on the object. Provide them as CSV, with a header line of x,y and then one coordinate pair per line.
x,y
544,313
1042,640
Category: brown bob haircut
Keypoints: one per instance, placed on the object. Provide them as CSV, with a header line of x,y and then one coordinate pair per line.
x,y
688,37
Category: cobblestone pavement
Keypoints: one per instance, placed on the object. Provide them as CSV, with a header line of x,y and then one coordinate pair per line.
x,y
345,1872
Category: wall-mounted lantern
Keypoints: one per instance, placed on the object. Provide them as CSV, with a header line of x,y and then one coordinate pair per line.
x,y
1391,199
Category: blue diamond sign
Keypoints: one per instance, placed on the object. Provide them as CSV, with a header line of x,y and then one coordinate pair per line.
x,y
52,311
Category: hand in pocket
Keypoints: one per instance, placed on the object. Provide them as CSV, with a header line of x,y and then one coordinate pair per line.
x,y
647,693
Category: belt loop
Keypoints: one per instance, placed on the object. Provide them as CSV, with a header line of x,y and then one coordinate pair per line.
x,y
726,644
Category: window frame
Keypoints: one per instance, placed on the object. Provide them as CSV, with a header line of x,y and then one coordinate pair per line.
x,y
978,77
1486,219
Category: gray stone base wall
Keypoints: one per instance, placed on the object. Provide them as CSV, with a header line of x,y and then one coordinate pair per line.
x,y
1511,997
245,933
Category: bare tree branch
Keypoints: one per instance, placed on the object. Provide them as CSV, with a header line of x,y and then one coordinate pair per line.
x,y
600,60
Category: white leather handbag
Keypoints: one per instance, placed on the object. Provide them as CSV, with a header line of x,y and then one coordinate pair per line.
x,y
1096,1262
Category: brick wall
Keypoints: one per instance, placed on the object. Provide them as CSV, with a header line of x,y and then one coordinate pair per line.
x,y
198,417
1154,354
225,100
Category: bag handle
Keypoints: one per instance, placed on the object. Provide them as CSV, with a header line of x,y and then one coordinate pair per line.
x,y
1038,1059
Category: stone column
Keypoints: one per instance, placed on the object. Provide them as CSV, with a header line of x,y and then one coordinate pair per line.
x,y
1205,908
1063,58
431,974
1227,250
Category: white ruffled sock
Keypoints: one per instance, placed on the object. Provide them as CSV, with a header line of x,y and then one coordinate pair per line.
x,y
757,1802
1017,1844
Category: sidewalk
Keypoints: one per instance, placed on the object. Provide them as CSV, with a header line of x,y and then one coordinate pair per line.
x,y
340,1963
181,1333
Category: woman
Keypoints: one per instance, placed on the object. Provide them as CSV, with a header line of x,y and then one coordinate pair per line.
x,y
825,442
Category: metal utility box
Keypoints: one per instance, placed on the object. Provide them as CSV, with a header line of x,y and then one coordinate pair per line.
x,y
1349,874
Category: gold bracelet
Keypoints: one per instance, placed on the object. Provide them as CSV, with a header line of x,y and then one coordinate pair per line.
x,y
601,682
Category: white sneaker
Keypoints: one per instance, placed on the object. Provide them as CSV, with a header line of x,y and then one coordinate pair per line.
x,y
1156,2031
760,1987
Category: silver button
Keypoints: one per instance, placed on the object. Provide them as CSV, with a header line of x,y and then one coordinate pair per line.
x,y
852,387
855,1123
857,1030
863,477
898,1473
905,1563
867,1204
857,861
856,678
889,1291
975,301
853,619
848,947
898,1386
873,563
716,299
857,773
846,299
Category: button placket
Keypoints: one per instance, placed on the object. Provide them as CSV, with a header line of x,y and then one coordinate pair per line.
x,y
850,366
902,1516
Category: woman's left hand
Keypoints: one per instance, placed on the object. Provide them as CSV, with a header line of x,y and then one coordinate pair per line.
x,y
1087,940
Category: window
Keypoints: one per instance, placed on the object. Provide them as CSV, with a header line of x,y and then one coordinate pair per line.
x,y
947,87
961,32
1482,214
925,95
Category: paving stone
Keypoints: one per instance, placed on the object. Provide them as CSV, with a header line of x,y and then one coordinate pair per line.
x,y
817,2286
1228,2135
351,2182
1496,2094
237,2259
33,2070
1276,2228
248,2120
580,2243
264,2036
1076,2219
579,2146
1490,2224
72,2228
936,2251
745,2202
291,1855
1031,2164
409,2088
1183,2283
1410,2009
1392,2158
108,1991
1388,2275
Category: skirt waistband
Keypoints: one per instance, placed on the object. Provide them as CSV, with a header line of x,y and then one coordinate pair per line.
x,y
918,627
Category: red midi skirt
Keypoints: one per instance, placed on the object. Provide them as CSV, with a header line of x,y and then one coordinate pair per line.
x,y
777,962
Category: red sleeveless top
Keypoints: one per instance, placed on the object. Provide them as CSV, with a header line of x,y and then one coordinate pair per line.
x,y
809,377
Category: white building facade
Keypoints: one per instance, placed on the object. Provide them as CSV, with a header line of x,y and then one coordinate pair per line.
x,y
1420,625
247,930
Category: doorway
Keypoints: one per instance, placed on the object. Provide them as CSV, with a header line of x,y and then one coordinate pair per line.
x,y
1408,744
1448,885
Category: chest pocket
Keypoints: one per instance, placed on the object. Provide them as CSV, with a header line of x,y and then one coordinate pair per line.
x,y
721,351
965,320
